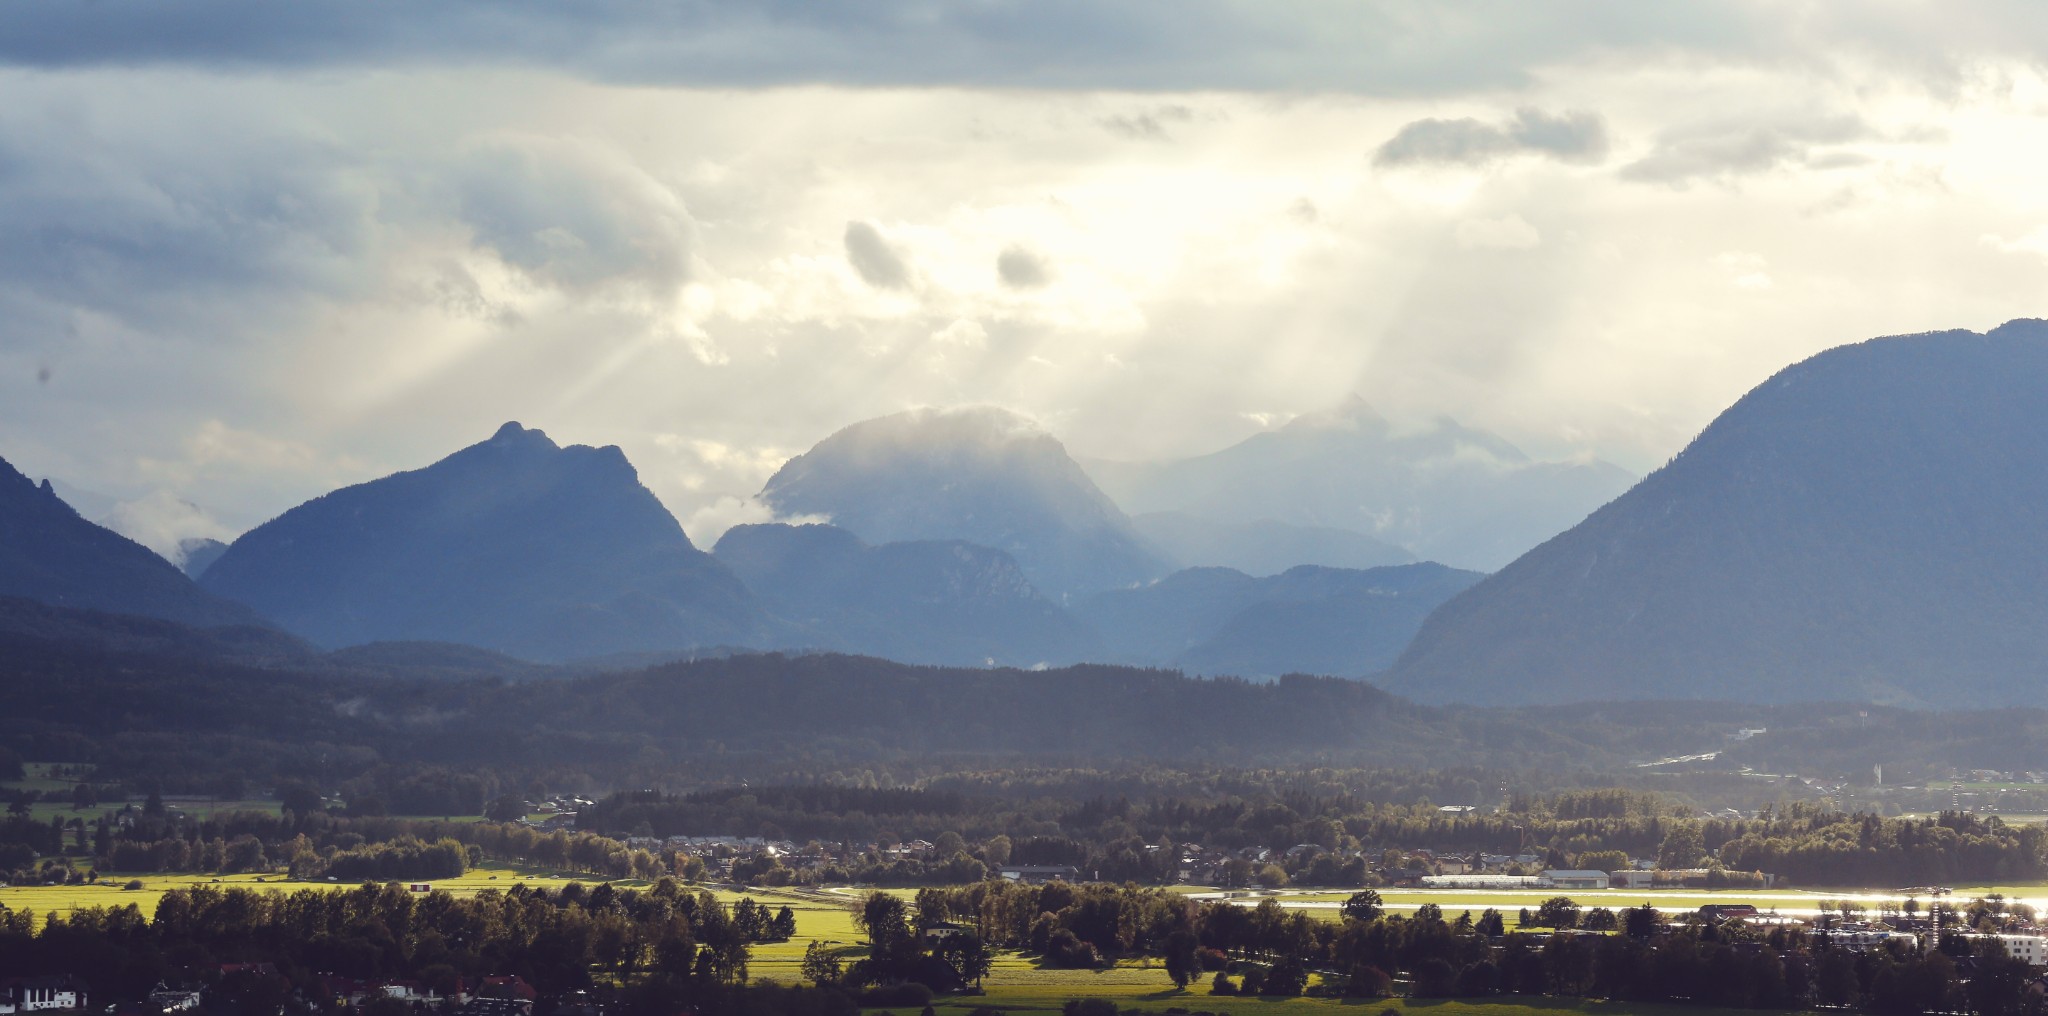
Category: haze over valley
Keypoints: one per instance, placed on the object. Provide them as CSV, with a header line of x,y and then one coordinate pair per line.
x,y
1005,508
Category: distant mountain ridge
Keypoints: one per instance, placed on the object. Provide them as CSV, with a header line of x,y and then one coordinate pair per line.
x,y
979,474
1263,546
514,544
49,553
1312,620
1868,524
1444,492
927,601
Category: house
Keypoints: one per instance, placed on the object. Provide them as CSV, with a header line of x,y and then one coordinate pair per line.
x,y
169,1000
506,986
39,994
941,931
1633,878
1717,913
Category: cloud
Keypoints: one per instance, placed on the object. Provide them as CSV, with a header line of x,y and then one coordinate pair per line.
x,y
1573,136
1148,125
1020,268
161,521
963,333
1509,232
2034,242
872,257
1392,47
572,216
1726,149
708,524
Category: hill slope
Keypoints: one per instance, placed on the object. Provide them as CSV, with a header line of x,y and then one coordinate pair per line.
x,y
980,474
513,544
1870,524
48,553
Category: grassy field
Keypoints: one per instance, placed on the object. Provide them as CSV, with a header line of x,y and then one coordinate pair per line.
x,y
1017,983
1050,1000
109,891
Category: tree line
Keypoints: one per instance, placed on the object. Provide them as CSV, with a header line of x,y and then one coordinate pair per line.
x,y
660,951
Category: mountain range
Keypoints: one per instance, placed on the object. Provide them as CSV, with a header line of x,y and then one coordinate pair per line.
x,y
979,474
1870,524
49,553
1309,619
1442,492
513,544
918,601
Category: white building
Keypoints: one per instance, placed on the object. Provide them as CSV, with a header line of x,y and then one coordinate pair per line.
x,y
38,994
2031,948
1575,879
1484,882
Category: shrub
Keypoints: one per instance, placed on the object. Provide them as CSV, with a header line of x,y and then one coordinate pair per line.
x,y
1222,985
1287,978
1434,978
1089,1007
1368,982
132,884
1254,982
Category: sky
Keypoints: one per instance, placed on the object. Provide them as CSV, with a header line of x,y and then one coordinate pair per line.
x,y
250,252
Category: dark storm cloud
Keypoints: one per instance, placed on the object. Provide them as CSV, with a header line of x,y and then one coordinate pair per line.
x,y
1339,45
160,217
871,255
1574,136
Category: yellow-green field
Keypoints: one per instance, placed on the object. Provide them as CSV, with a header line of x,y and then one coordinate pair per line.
x,y
108,892
1017,984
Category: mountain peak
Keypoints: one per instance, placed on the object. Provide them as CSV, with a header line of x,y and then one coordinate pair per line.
x,y
1354,413
513,544
1868,520
51,554
982,474
515,436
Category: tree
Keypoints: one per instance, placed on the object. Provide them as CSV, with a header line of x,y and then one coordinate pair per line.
x,y
1182,961
1363,906
886,921
1682,847
1641,922
971,957
1491,924
996,851
1287,978
821,964
506,808
301,799
1558,912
